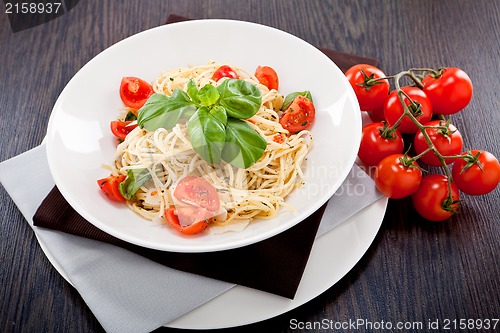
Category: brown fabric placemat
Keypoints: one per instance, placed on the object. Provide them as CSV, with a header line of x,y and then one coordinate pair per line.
x,y
274,265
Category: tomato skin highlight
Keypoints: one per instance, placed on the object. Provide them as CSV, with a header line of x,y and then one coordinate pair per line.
x,y
134,92
109,186
450,92
267,76
447,146
299,115
374,147
395,180
120,129
477,180
393,109
224,71
370,98
428,199
173,220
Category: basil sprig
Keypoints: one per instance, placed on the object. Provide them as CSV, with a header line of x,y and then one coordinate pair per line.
x,y
240,98
135,179
215,127
242,145
207,132
163,111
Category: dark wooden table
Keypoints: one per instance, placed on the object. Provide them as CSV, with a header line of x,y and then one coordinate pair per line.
x,y
415,271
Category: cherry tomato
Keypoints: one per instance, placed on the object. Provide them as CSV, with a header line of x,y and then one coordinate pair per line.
x,y
224,71
371,94
189,229
478,174
267,76
134,92
120,129
299,115
197,191
374,147
396,178
431,198
450,90
421,109
377,115
447,141
109,186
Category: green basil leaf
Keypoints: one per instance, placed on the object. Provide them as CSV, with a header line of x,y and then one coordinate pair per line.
x,y
290,97
192,91
135,179
219,113
240,98
163,111
208,95
244,146
207,132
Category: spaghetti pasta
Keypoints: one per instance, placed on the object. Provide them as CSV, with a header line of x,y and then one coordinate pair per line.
x,y
255,192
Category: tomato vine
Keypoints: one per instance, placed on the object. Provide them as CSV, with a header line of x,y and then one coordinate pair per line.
x,y
449,90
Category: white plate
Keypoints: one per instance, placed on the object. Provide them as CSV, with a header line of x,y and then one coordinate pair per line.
x,y
351,238
79,140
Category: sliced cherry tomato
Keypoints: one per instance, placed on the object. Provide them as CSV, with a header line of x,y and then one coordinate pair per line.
x,y
421,108
109,186
478,174
198,192
267,76
134,92
224,71
371,94
299,115
374,147
450,90
120,129
279,138
447,141
395,178
191,229
431,199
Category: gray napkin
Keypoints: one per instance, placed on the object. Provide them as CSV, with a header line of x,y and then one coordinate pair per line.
x,y
126,292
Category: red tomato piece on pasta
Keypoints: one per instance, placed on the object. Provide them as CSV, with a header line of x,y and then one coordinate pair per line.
x,y
267,76
224,71
109,186
197,191
120,129
134,92
173,219
299,115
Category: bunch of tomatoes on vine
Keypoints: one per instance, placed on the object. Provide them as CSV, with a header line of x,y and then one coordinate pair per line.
x,y
418,111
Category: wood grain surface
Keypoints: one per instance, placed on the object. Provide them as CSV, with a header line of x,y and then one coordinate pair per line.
x,y
415,271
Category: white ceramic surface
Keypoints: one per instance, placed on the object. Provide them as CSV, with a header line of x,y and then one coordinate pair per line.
x,y
79,140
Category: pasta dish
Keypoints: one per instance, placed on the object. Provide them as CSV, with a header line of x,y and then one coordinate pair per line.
x,y
193,152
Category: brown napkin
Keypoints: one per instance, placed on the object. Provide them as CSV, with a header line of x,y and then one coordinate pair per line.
x,y
274,265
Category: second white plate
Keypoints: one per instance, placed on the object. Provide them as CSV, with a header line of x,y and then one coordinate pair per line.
x,y
352,238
